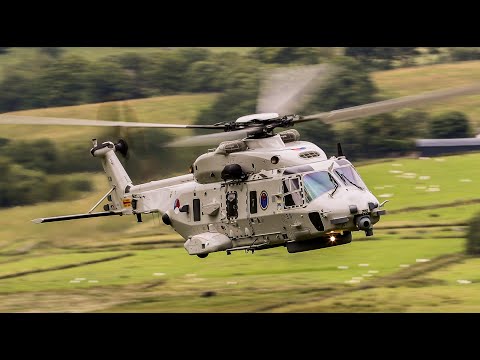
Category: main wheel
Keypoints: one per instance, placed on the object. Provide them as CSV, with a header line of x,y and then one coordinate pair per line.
x,y
202,256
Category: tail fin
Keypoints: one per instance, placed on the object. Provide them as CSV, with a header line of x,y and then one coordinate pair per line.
x,y
116,174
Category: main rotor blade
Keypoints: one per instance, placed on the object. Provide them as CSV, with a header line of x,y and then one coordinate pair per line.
x,y
212,139
285,90
390,105
39,120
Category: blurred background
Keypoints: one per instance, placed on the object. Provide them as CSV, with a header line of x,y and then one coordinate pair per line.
x,y
422,257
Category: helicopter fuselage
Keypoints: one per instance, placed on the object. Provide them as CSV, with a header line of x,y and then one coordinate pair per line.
x,y
262,194
262,191
250,194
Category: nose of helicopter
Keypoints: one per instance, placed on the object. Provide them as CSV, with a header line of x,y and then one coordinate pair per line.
x,y
349,210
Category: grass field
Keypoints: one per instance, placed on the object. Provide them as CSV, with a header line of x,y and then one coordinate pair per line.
x,y
275,273
74,266
117,264
426,181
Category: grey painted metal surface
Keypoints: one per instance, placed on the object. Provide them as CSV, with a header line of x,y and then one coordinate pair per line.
x,y
277,198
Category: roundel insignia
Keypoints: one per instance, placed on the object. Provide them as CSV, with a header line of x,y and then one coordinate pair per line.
x,y
176,204
264,200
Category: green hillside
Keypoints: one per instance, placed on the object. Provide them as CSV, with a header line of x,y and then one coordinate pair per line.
x,y
175,109
117,264
409,81
415,258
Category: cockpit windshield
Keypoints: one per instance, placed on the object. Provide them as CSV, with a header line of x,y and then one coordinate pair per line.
x,y
350,177
318,183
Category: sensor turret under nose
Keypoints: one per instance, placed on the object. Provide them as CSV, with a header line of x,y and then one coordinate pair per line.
x,y
365,223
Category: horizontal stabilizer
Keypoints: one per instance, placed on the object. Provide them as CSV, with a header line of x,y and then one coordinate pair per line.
x,y
76,216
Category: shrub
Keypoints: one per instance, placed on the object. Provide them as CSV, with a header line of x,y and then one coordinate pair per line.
x,y
473,236
453,124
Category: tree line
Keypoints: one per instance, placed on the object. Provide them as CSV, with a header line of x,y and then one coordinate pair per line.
x,y
36,170
55,77
384,135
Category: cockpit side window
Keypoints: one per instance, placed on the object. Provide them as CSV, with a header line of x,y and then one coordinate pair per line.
x,y
350,176
292,192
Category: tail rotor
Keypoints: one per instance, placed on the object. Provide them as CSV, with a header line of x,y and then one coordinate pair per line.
x,y
122,147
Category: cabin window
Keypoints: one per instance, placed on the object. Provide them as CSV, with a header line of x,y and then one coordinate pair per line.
x,y
292,192
196,209
253,202
232,205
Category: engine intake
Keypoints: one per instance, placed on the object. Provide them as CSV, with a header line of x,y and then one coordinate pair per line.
x,y
228,147
232,172
289,135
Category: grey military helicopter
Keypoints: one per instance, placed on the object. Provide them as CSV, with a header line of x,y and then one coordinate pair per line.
x,y
256,189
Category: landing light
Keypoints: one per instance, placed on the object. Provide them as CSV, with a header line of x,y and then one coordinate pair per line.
x,y
332,238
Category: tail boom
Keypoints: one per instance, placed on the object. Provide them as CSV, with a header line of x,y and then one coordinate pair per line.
x,y
117,176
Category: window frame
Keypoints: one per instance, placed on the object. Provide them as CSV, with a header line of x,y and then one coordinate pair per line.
x,y
196,210
298,190
233,215
357,178
253,205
